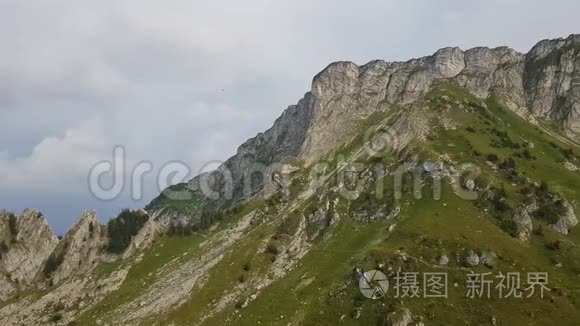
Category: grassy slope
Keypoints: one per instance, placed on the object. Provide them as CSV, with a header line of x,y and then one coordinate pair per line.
x,y
315,293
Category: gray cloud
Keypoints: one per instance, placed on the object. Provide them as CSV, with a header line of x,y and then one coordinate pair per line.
x,y
190,80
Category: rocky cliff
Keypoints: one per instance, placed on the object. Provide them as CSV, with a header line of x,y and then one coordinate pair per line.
x,y
26,241
31,256
541,86
80,249
270,259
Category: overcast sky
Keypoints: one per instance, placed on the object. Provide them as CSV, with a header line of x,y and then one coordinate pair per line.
x,y
191,80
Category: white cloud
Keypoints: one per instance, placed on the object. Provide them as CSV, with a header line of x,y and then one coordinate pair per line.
x,y
55,162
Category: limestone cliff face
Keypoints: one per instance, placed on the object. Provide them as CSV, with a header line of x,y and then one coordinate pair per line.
x,y
283,140
543,84
552,81
32,257
26,243
80,249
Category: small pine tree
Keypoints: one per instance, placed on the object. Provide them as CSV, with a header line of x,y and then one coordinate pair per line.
x,y
13,225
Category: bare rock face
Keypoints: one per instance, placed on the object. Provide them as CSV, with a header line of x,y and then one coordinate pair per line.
x,y
27,241
402,317
523,220
545,83
471,259
552,81
166,217
567,221
80,249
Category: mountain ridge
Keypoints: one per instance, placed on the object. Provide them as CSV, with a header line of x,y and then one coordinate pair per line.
x,y
423,100
344,93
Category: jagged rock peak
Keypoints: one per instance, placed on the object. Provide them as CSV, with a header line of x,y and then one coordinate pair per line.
x,y
79,250
27,242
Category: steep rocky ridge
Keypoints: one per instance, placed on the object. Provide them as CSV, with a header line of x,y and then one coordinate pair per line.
x,y
32,257
29,242
276,258
541,85
80,249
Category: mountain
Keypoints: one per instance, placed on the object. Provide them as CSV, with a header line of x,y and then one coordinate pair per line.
x,y
462,163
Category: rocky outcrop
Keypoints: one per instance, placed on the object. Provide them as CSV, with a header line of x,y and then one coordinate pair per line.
x,y
80,249
566,221
27,241
544,83
552,81
524,223
402,317
144,238
32,257
471,259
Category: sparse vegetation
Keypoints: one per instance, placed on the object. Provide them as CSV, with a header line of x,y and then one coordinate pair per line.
x,y
179,229
492,158
13,226
52,264
55,318
272,248
123,228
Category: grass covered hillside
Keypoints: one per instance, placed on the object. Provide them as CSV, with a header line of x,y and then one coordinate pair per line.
x,y
293,260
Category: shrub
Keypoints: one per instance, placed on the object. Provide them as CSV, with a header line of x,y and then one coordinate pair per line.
x,y
180,230
58,307
510,227
271,248
470,129
52,264
543,189
554,245
91,229
568,153
247,267
55,318
492,158
3,247
242,278
13,225
527,155
482,181
550,211
507,165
